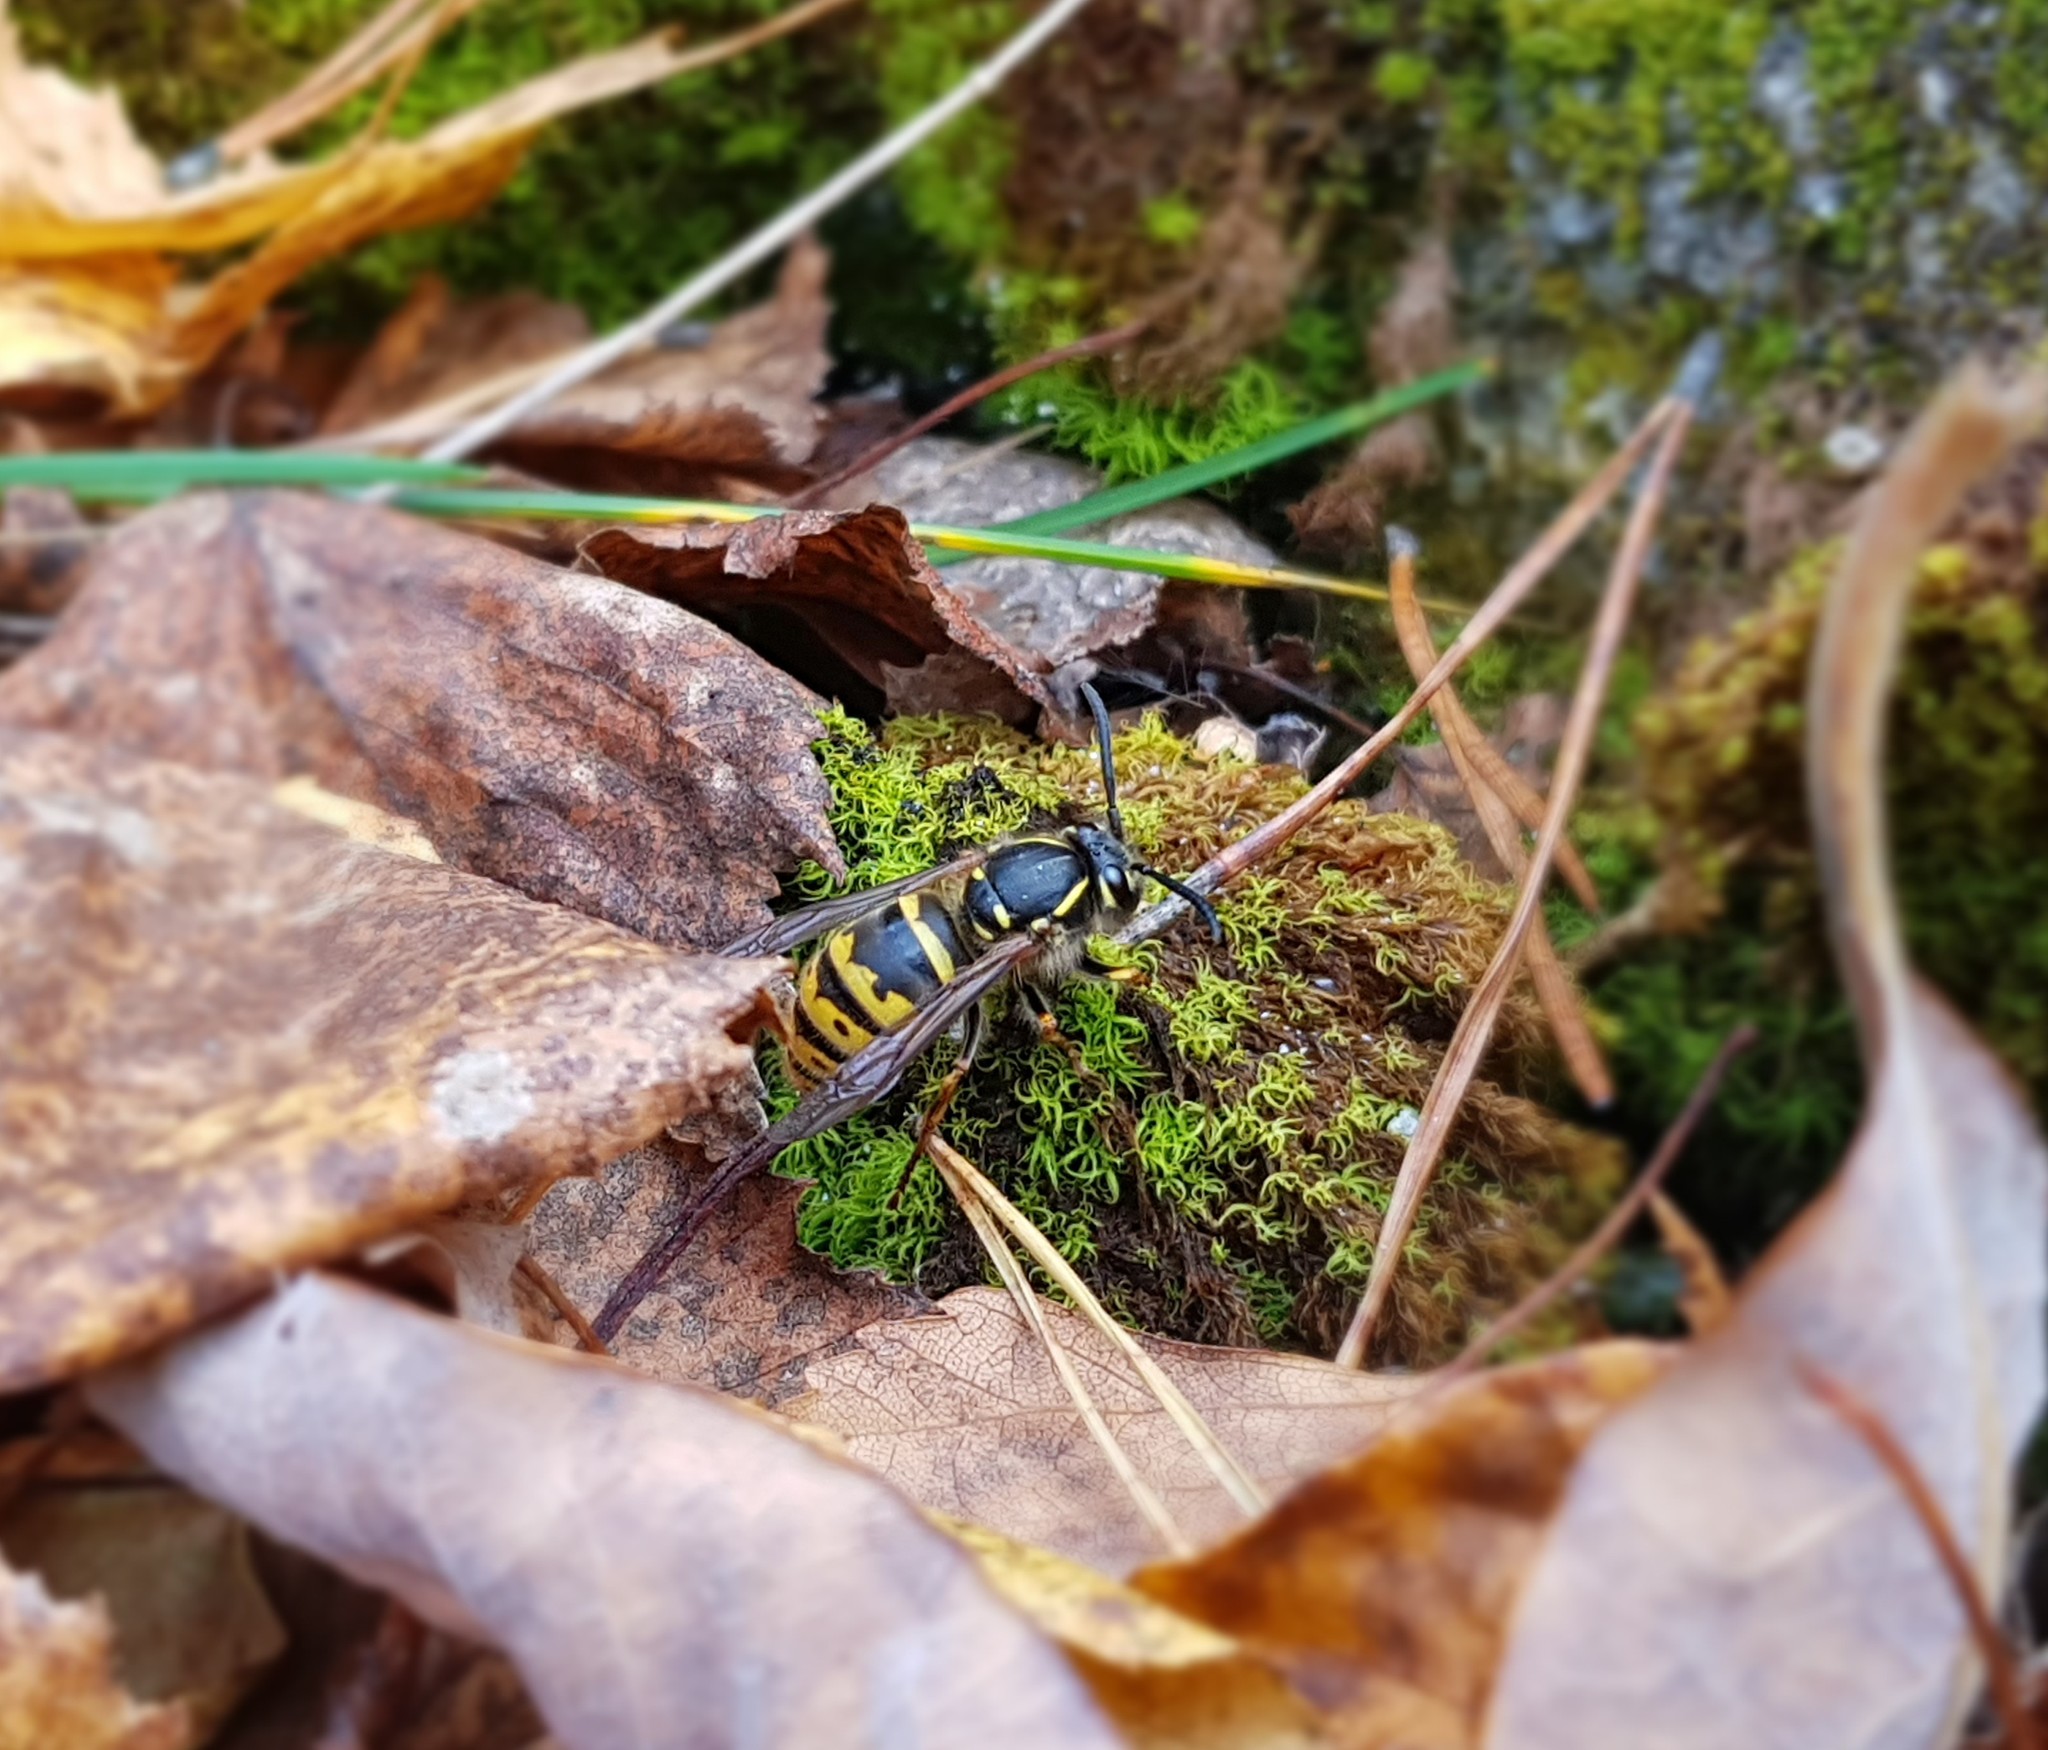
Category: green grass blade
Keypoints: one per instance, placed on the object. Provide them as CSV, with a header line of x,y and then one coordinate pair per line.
x,y
1136,495
967,543
126,475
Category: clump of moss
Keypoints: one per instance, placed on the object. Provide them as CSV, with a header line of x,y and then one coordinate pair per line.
x,y
1722,754
1217,1162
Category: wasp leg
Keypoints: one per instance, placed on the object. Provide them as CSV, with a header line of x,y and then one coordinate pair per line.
x,y
1131,977
942,1103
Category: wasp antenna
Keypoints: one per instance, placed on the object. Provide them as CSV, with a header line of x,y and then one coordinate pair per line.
x,y
1101,714
1203,909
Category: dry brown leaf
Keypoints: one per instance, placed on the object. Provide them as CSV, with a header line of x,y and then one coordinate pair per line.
x,y
45,542
232,1041
1165,1679
191,1623
1059,614
748,1310
1704,1298
733,416
963,1412
665,1566
88,300
57,1685
1731,1564
575,740
857,581
1382,1586
434,347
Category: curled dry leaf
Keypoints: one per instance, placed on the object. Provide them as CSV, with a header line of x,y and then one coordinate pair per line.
x,y
570,738
1731,1564
232,1041
854,579
1382,1586
1061,614
1165,1679
665,1566
57,1683
191,1623
748,1310
732,415
94,302
964,1413
726,417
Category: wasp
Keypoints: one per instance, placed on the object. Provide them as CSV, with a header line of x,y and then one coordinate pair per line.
x,y
898,967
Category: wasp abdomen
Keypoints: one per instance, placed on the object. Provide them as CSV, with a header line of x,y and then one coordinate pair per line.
x,y
869,978
1030,882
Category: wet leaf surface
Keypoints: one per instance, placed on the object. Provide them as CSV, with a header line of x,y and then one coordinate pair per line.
x,y
664,1565
1731,1563
576,740
855,580
963,1412
748,1310
232,1041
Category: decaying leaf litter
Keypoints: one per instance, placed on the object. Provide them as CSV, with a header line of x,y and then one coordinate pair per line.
x,y
365,878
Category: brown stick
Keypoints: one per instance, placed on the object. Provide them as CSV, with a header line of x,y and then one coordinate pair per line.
x,y
1596,1245
1528,571
557,1297
1497,819
2000,1670
877,454
1475,1027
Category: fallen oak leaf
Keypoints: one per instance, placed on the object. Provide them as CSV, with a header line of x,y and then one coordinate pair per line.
x,y
576,740
57,1685
232,1041
855,579
962,1411
665,1566
1728,1553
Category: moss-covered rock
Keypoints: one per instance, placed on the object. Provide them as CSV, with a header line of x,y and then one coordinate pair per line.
x,y
1216,1153
1722,750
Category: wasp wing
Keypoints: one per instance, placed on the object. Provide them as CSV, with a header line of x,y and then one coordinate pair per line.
x,y
862,1080
876,1068
820,918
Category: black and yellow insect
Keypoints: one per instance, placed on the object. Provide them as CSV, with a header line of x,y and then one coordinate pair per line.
x,y
905,953
899,966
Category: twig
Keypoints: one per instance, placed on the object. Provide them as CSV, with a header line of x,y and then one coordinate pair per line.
x,y
1499,821
406,66
557,1297
1475,1027
1530,570
876,454
387,38
1862,1419
1233,1477
1155,1511
751,251
1603,1238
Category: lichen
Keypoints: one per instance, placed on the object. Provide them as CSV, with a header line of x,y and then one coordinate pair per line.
x,y
1217,1161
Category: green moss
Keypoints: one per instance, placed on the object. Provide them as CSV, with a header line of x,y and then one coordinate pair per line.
x,y
1216,1151
1726,821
